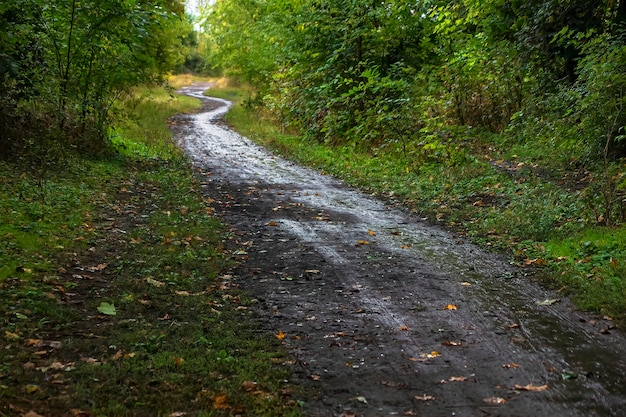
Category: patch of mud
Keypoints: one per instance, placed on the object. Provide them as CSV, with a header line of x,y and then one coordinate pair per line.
x,y
387,315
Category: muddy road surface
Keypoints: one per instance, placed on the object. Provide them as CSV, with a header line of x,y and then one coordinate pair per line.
x,y
387,315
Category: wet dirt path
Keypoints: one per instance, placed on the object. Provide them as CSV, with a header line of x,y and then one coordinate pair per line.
x,y
388,315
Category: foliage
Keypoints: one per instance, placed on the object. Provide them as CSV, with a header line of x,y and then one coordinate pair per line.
x,y
345,71
65,62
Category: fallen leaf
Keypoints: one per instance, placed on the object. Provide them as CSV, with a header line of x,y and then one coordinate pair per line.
x,y
179,361
362,242
548,302
154,282
11,336
281,335
34,342
531,387
31,413
466,284
424,398
98,267
405,328
32,388
316,377
568,375
361,400
457,379
431,355
494,400
312,271
510,365
221,402
405,247
108,309
272,224
371,232
538,262
452,343
248,385
451,307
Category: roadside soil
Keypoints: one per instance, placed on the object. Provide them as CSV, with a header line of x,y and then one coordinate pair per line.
x,y
386,314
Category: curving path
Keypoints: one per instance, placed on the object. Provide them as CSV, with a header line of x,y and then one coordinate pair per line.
x,y
388,315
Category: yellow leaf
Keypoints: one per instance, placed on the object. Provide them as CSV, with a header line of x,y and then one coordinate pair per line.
x,y
451,307
179,361
362,242
531,387
281,335
11,336
154,282
371,232
272,224
32,388
221,402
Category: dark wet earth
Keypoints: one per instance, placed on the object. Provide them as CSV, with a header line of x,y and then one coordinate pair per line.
x,y
386,314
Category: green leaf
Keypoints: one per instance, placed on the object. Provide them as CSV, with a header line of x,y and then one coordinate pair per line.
x,y
108,309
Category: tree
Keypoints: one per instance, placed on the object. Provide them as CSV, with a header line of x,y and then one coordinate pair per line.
x,y
68,60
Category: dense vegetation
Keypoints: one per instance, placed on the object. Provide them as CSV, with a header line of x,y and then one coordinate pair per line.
x,y
502,119
64,63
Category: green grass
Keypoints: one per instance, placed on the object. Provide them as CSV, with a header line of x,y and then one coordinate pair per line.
x,y
521,212
131,230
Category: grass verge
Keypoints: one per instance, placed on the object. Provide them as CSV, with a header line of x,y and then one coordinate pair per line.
x,y
506,205
116,293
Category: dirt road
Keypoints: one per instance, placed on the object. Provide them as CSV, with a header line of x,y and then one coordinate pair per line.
x,y
388,315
